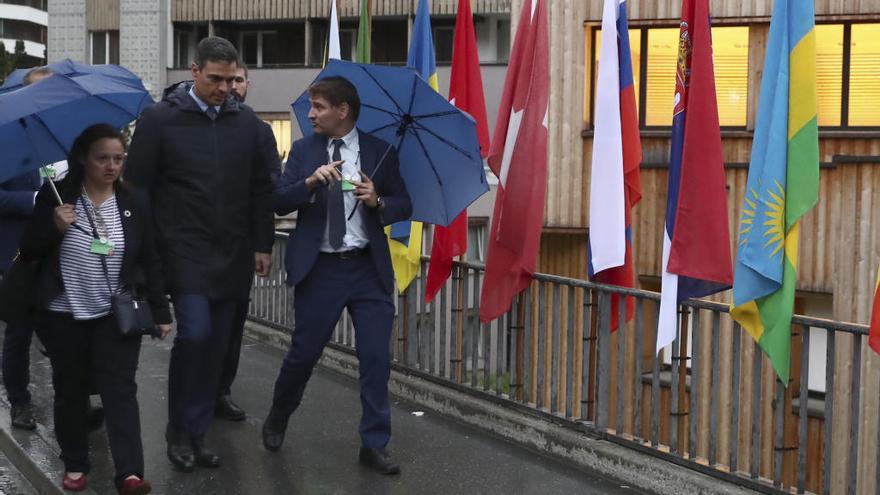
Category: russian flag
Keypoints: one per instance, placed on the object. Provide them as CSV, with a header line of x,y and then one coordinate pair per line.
x,y
615,184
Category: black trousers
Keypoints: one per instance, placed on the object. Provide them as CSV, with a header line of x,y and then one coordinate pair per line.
x,y
81,351
17,362
230,364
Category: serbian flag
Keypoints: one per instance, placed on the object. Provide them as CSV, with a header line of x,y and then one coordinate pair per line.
x,y
466,93
874,338
696,244
615,185
518,156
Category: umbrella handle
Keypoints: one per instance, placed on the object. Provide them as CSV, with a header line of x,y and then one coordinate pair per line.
x,y
55,190
378,165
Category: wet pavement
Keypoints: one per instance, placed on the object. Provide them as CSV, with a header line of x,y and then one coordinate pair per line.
x,y
437,456
12,482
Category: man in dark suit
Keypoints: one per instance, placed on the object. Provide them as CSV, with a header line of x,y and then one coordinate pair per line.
x,y
198,154
17,197
338,260
16,206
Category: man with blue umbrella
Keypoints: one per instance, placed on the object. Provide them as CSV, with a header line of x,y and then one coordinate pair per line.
x,y
338,258
17,197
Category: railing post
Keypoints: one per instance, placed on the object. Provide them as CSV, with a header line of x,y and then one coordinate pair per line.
x,y
520,326
602,357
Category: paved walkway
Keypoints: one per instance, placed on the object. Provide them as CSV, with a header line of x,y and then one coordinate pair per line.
x,y
437,456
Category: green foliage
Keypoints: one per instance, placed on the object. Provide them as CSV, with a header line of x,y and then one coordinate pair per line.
x,y
5,63
20,57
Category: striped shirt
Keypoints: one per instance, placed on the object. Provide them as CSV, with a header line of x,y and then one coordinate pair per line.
x,y
86,295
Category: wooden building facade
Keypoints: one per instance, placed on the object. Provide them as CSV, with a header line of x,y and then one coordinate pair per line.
x,y
840,237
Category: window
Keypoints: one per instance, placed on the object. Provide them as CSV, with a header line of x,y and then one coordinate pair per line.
x,y
655,52
281,129
829,73
864,72
182,45
444,37
730,48
476,251
389,43
104,47
661,66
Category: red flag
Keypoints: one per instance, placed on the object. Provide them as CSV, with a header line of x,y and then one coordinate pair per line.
x,y
874,338
518,157
466,93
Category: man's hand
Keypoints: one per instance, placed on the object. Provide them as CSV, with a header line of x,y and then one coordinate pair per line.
x,y
325,174
164,330
263,264
366,191
64,217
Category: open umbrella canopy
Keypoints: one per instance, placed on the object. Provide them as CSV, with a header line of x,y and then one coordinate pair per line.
x,y
436,142
39,123
70,68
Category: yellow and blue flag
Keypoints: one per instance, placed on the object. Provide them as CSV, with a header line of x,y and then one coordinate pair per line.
x,y
783,183
405,238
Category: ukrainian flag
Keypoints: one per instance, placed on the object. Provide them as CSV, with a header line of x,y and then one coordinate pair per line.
x,y
405,238
783,183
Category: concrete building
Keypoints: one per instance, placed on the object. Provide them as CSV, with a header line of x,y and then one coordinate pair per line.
x,y
24,20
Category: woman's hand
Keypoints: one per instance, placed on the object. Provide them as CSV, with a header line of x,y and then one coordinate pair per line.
x,y
64,217
164,330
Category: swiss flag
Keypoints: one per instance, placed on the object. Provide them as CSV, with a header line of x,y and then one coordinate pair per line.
x,y
466,93
518,157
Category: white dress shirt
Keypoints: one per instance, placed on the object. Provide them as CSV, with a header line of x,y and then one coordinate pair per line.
x,y
355,233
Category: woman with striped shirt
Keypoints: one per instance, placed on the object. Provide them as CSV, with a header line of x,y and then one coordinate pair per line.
x,y
73,294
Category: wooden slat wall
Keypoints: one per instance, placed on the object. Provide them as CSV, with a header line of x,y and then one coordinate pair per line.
x,y
102,15
234,10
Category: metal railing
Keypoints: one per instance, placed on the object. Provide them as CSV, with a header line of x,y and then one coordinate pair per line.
x,y
710,401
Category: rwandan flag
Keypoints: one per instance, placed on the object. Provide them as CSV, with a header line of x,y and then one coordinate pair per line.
x,y
405,238
615,183
874,338
783,183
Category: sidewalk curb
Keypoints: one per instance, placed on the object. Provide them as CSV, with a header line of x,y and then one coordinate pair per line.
x,y
562,442
27,450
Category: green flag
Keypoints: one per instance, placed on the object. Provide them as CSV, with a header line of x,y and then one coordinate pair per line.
x,y
783,183
363,41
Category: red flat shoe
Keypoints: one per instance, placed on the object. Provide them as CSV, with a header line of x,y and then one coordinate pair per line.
x,y
73,485
135,486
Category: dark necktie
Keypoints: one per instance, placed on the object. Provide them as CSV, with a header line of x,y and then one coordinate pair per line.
x,y
336,203
212,112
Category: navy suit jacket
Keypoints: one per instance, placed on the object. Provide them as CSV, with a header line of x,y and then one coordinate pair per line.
x,y
16,208
291,194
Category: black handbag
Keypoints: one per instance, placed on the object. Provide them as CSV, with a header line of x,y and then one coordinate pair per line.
x,y
132,313
16,289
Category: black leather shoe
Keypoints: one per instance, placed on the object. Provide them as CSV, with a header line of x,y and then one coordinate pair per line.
x,y
378,460
95,418
227,409
204,456
273,432
23,416
179,450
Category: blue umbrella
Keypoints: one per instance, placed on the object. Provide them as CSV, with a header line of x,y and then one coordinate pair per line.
x,y
75,69
39,123
436,142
